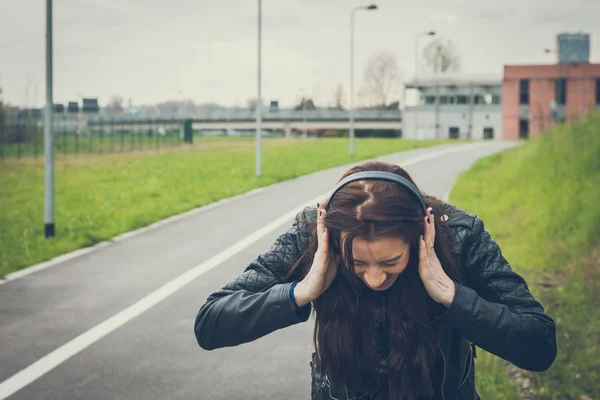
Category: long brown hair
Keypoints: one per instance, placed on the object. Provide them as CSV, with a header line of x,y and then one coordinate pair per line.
x,y
344,334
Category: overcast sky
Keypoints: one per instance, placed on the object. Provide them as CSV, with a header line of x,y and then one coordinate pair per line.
x,y
155,50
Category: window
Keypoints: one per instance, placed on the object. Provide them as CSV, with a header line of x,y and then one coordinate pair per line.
x,y
496,99
560,86
429,99
453,132
523,129
462,99
452,99
524,91
443,99
477,99
488,133
598,91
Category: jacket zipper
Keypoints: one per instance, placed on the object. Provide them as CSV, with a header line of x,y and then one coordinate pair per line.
x,y
470,363
444,380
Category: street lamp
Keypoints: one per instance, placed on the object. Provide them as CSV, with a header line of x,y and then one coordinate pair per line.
x,y
420,35
304,116
351,111
49,230
259,102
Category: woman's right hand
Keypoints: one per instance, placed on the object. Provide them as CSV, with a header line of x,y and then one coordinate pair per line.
x,y
323,269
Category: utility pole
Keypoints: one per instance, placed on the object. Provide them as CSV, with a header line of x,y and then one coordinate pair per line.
x,y
351,110
49,230
259,103
304,116
430,33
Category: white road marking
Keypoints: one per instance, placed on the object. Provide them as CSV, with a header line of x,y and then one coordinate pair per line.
x,y
50,361
74,346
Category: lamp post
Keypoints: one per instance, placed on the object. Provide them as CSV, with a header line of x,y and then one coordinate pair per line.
x,y
304,117
48,136
259,101
351,111
420,35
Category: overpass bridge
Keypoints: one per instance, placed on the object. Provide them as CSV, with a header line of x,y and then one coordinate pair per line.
x,y
284,119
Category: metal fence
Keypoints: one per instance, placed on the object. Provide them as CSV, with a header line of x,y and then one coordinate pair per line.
x,y
25,137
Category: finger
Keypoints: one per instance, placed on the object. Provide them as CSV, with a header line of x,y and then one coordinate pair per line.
x,y
320,219
321,228
426,232
322,259
322,204
325,242
423,259
429,228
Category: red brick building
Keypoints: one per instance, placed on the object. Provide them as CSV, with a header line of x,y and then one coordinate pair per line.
x,y
535,97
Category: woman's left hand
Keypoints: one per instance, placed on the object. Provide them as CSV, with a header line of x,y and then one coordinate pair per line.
x,y
439,285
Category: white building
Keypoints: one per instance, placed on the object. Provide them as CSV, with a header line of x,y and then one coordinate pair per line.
x,y
456,107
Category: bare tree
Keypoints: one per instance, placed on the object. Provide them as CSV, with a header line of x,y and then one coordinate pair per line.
x,y
252,103
115,104
383,79
306,102
338,97
441,57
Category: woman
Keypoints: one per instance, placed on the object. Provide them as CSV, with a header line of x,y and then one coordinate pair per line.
x,y
403,285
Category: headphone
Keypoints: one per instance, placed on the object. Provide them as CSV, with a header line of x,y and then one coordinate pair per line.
x,y
380,175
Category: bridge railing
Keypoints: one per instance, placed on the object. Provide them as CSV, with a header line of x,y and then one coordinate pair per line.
x,y
24,138
123,133
267,115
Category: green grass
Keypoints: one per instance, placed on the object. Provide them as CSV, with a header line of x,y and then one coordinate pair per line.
x,y
101,196
540,203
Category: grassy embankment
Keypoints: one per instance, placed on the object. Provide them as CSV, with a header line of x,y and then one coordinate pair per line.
x,y
541,204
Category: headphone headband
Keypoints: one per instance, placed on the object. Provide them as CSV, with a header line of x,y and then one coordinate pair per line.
x,y
380,175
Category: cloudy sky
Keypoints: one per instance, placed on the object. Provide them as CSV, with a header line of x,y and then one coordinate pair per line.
x,y
155,50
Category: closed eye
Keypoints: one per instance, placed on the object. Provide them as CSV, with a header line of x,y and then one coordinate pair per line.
x,y
389,263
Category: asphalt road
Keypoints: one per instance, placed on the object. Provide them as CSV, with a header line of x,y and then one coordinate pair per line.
x,y
117,323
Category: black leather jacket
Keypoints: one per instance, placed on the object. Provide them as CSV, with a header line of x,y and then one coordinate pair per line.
x,y
493,310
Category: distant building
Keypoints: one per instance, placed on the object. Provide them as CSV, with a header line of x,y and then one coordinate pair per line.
x,y
573,47
73,107
535,97
90,105
455,106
